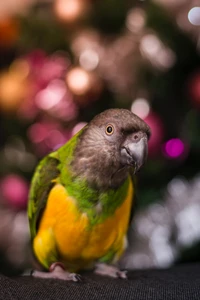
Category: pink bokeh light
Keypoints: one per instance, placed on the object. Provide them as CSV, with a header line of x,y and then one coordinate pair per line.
x,y
174,148
14,190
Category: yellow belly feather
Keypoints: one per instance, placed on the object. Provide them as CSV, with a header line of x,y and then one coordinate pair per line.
x,y
64,233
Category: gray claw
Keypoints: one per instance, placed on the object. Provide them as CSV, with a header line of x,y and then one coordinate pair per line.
x,y
76,277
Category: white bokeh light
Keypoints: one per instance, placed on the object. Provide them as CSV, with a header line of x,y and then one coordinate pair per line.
x,y
141,107
153,49
135,20
89,59
194,16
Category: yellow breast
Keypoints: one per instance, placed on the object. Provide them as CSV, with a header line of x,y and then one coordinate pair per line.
x,y
65,233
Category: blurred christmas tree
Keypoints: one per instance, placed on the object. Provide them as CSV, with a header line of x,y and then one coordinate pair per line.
x,y
64,61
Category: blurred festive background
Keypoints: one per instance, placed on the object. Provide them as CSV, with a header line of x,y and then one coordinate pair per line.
x,y
62,62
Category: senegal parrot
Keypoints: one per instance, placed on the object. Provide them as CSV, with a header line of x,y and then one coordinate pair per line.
x,y
81,197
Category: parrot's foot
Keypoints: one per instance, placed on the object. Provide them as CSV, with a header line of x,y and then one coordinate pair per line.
x,y
109,270
57,271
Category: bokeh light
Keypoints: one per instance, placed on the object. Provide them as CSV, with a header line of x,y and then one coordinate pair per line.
x,y
194,16
69,10
14,85
140,107
174,148
15,190
51,95
78,81
135,20
89,59
156,52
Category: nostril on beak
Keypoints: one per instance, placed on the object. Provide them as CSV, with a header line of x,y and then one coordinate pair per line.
x,y
136,137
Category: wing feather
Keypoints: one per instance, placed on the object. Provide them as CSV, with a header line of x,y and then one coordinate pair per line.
x,y
43,180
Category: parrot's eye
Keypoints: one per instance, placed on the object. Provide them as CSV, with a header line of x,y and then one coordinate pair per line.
x,y
109,129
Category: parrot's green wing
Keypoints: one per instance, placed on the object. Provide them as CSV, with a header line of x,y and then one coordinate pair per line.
x,y
42,183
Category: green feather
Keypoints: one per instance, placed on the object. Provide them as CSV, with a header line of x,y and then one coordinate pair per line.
x,y
41,185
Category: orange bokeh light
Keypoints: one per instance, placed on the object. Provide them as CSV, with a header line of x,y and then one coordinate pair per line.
x,y
79,81
69,10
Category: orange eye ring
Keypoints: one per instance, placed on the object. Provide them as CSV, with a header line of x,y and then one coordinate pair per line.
x,y
109,129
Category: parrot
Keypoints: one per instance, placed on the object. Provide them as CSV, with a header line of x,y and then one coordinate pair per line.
x,y
81,197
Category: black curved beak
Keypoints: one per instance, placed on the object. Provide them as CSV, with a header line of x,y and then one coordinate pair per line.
x,y
134,150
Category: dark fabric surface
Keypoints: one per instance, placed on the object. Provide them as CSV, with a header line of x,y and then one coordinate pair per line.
x,y
180,283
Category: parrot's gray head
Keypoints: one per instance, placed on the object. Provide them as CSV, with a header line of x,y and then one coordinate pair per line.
x,y
115,141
